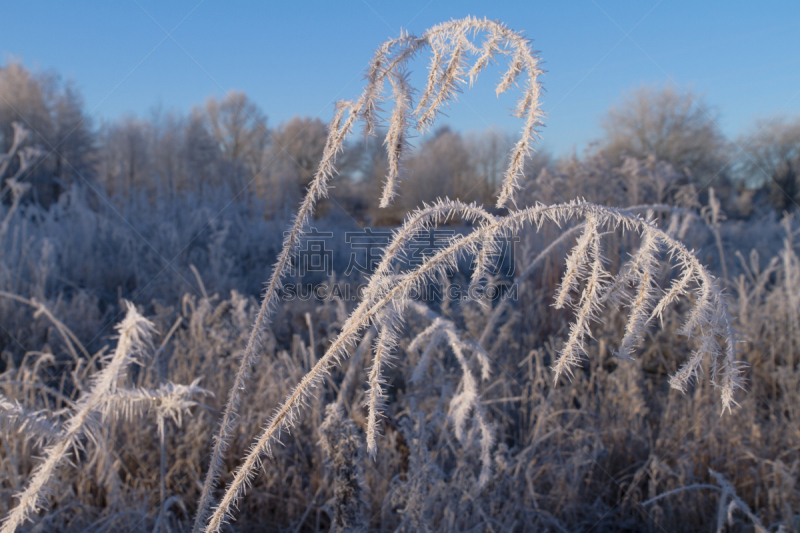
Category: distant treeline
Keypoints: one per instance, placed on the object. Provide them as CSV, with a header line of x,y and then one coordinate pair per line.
x,y
661,145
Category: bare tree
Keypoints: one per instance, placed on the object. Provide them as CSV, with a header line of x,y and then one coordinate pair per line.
x,y
298,146
125,164
74,145
442,168
169,162
772,160
488,152
25,100
290,161
53,113
673,125
240,129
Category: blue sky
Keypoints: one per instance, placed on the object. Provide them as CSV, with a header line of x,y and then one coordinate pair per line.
x,y
297,58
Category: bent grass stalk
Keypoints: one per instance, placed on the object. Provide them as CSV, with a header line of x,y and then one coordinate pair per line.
x,y
450,45
396,290
447,39
134,339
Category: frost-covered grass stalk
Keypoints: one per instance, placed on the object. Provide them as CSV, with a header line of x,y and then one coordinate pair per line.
x,y
134,340
386,298
451,43
15,418
709,315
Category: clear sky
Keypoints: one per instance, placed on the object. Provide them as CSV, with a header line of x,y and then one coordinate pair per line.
x,y
297,58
